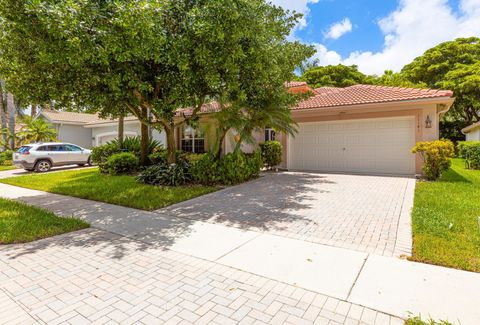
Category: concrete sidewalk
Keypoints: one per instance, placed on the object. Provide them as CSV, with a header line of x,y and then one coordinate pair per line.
x,y
384,284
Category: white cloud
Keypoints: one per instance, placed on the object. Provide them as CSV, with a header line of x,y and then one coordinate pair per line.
x,y
338,29
414,27
326,57
299,6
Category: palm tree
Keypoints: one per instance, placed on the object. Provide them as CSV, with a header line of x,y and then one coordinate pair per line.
x,y
11,110
3,119
37,130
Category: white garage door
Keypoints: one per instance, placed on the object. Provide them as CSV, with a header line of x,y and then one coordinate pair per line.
x,y
375,146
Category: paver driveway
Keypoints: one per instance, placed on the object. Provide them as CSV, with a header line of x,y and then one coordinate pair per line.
x,y
364,213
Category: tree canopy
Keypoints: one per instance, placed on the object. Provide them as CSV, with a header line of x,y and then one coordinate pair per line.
x,y
334,76
452,65
147,56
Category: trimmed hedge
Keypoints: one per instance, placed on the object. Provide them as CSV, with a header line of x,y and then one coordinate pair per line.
x,y
271,153
233,168
470,151
121,163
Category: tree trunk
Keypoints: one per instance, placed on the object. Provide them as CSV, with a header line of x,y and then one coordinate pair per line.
x,y
11,119
221,138
33,112
144,140
121,127
171,146
3,118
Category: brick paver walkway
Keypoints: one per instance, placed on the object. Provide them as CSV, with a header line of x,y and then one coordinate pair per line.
x,y
93,276
360,213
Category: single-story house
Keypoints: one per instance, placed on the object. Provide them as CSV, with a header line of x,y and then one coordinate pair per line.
x,y
359,129
88,130
472,132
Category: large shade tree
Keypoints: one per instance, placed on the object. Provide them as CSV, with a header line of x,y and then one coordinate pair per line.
x,y
452,65
151,57
335,76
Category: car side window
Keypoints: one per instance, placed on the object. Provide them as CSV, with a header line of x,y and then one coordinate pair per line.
x,y
71,147
42,148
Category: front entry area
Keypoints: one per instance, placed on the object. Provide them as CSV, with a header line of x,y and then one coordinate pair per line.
x,y
367,146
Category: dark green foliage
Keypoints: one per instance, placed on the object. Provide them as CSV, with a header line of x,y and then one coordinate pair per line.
x,y
453,65
165,175
470,151
101,154
334,76
205,170
233,168
271,153
121,163
452,130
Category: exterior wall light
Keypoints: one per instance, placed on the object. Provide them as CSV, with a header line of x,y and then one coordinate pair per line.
x,y
428,122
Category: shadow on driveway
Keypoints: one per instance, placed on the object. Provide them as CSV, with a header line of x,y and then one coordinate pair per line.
x,y
270,202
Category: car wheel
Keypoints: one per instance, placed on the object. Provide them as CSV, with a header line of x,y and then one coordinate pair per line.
x,y
43,166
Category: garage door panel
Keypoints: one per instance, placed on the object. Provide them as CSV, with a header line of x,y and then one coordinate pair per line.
x,y
360,146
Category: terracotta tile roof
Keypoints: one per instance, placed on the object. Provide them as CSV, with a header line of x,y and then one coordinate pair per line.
x,y
368,94
471,127
69,117
292,84
324,90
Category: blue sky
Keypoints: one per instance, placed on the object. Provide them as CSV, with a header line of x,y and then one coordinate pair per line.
x,y
381,34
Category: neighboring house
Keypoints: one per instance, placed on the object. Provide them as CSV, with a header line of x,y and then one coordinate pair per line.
x,y
88,130
359,129
472,132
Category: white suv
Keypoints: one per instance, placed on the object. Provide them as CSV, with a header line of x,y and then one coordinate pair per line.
x,y
43,156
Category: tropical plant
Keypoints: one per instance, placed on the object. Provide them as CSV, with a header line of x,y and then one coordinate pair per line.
x,y
165,174
133,145
37,130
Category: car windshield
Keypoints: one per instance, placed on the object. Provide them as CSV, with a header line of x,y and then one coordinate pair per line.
x,y
24,149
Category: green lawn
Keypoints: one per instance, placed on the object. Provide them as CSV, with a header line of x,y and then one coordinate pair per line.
x,y
20,223
445,219
2,168
121,190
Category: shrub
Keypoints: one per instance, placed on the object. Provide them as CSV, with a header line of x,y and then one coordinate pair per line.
x,y
167,175
232,168
205,170
471,153
101,154
271,153
159,157
463,146
436,156
121,163
6,157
